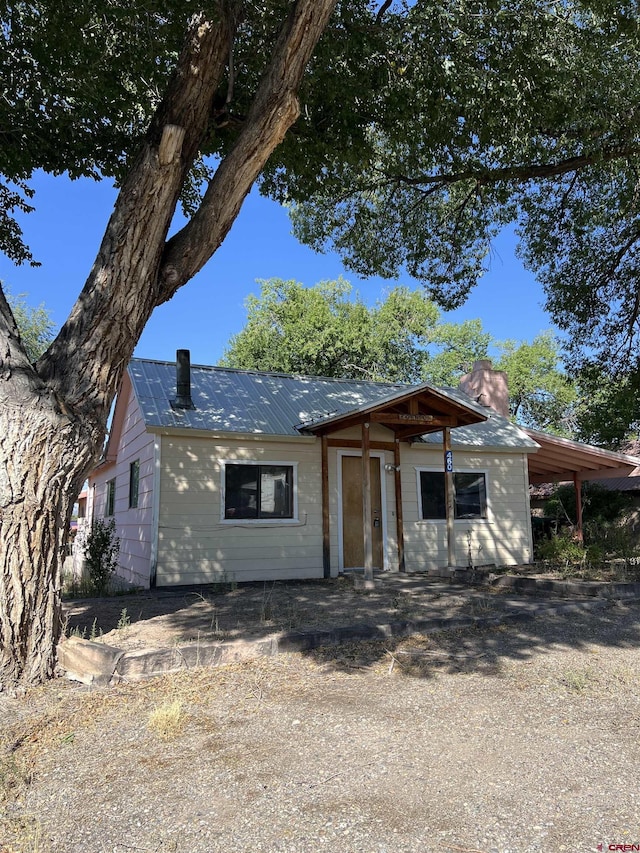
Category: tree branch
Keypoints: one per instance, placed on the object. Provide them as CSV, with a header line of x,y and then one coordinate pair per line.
x,y
382,10
86,361
12,352
520,173
274,110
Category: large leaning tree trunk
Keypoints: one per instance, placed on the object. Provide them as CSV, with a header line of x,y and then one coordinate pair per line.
x,y
53,414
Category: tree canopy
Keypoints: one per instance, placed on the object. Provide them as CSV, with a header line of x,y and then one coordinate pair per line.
x,y
541,396
525,113
320,331
424,130
324,331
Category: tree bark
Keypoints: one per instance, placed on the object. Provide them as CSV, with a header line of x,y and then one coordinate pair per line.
x,y
53,414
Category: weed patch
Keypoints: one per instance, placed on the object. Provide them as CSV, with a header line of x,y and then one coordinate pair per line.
x,y
167,720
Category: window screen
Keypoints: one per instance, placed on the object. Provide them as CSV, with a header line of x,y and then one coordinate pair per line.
x,y
111,497
134,481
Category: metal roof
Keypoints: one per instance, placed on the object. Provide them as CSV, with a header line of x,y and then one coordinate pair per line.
x,y
559,459
398,393
253,402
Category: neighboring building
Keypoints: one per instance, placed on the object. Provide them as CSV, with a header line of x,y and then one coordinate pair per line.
x,y
254,476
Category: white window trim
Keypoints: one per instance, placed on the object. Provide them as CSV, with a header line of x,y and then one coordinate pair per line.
x,y
467,521
257,522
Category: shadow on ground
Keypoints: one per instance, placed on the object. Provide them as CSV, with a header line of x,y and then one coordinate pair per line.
x,y
419,632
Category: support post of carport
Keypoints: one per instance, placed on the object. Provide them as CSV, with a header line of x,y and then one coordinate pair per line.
x,y
366,503
449,497
577,483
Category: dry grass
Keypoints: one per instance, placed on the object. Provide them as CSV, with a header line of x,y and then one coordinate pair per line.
x,y
272,730
167,720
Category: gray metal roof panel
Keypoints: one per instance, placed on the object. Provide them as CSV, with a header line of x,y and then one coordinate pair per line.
x,y
229,400
252,402
496,432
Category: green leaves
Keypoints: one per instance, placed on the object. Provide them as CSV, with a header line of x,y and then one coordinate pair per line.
x,y
34,324
320,331
323,331
423,130
541,395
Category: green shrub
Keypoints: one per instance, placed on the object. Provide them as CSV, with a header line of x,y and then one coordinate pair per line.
x,y
101,554
560,549
599,505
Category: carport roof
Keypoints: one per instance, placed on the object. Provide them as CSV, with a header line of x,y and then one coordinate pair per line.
x,y
561,460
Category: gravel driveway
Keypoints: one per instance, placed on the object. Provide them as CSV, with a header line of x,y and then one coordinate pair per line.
x,y
516,738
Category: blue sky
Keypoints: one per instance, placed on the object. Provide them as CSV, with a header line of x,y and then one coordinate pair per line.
x,y
65,231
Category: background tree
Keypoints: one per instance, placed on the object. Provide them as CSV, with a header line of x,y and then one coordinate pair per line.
x,y
453,347
324,331
608,408
34,324
541,396
321,331
424,129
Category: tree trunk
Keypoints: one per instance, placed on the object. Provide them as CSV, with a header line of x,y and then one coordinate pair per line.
x,y
44,457
53,415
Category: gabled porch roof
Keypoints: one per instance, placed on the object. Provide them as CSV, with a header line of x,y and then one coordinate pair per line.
x,y
408,413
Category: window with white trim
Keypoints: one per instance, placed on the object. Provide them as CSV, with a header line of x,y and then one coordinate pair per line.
x,y
253,491
111,497
471,495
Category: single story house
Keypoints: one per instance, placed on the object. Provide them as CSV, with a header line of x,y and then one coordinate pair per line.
x,y
215,474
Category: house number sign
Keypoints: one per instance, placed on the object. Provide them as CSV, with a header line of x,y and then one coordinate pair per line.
x,y
448,461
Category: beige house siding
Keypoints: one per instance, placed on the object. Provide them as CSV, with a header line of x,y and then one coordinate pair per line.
x,y
503,538
133,525
196,545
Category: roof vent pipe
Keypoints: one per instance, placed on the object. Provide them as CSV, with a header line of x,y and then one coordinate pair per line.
x,y
183,380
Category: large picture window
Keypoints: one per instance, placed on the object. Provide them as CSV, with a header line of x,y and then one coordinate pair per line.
x,y
258,491
471,495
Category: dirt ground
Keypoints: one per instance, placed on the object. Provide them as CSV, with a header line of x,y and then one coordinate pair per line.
x,y
164,618
513,738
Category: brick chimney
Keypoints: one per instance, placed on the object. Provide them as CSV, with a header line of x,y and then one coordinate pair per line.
x,y
487,386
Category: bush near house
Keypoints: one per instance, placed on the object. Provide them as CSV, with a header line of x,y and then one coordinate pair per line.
x,y
609,545
101,551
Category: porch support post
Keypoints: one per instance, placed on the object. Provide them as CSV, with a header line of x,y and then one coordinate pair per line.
x,y
326,547
399,520
577,482
366,504
449,498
